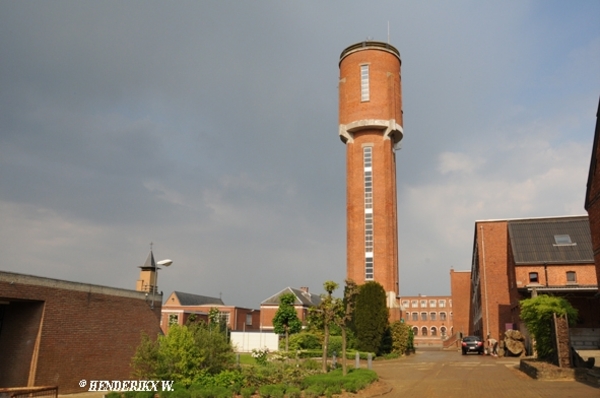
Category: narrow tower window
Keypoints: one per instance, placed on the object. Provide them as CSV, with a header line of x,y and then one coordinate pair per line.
x,y
368,170
364,83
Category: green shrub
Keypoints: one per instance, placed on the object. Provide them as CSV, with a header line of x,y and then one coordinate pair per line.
x,y
304,341
144,394
272,391
335,345
293,392
537,313
113,394
129,394
247,392
180,394
310,364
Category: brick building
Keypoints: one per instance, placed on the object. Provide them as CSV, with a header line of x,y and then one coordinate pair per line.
x,y
370,124
179,306
460,289
592,195
304,300
55,332
514,258
430,318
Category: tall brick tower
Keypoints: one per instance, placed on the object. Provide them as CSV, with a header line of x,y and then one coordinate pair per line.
x,y
371,127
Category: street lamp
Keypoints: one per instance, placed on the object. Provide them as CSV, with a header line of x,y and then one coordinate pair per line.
x,y
164,263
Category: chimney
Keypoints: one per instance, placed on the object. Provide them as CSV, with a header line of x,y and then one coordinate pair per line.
x,y
304,289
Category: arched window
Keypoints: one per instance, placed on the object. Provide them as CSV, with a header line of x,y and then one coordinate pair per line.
x,y
442,316
424,331
416,331
433,331
443,331
423,316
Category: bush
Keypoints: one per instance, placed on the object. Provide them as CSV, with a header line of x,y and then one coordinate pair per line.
x,y
144,394
401,333
272,391
247,392
180,394
113,394
335,345
304,341
293,392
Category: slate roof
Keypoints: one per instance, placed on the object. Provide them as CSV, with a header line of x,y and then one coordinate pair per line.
x,y
533,240
302,297
196,299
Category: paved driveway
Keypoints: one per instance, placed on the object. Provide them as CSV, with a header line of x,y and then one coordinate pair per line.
x,y
449,374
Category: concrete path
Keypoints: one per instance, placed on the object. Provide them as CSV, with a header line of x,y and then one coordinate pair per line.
x,y
450,374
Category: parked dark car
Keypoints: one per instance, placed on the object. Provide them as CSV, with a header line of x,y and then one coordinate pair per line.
x,y
472,344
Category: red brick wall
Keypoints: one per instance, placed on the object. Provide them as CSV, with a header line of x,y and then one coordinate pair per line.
x,y
84,334
557,274
460,285
385,103
592,201
267,313
492,238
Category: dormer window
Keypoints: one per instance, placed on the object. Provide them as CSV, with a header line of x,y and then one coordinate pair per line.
x,y
571,277
563,240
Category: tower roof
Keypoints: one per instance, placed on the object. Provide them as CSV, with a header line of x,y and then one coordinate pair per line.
x,y
370,45
149,264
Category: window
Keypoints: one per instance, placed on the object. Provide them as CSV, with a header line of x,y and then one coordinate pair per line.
x,y
367,163
424,331
442,303
423,316
432,316
248,319
414,303
415,316
364,83
442,316
450,316
416,331
563,240
173,319
443,331
405,303
369,268
533,277
433,331
423,303
571,277
224,317
432,303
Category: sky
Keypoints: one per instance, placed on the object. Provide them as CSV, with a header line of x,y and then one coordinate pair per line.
x,y
210,128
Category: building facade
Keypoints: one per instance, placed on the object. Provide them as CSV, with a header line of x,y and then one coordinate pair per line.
x,y
304,300
592,194
519,258
431,318
460,283
370,124
55,332
180,307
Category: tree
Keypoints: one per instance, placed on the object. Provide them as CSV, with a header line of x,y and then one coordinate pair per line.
x,y
184,355
329,307
537,313
286,319
344,317
371,317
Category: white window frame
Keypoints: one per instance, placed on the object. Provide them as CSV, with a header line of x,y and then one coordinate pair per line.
x,y
364,83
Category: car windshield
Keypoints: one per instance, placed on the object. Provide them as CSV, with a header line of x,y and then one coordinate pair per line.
x,y
471,338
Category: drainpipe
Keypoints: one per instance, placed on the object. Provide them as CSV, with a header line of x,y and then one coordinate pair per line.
x,y
546,273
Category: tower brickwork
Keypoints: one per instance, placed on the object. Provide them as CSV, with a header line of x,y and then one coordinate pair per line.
x,y
370,124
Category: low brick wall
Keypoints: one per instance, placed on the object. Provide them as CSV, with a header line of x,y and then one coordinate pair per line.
x,y
545,371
